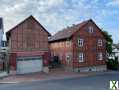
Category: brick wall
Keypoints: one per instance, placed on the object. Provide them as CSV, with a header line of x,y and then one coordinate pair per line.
x,y
90,47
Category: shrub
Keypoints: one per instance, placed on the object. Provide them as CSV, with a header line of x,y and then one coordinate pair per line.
x,y
113,64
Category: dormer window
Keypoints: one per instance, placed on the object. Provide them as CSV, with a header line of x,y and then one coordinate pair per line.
x,y
90,29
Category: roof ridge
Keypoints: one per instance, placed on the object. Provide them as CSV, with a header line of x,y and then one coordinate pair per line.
x,y
31,16
67,32
67,28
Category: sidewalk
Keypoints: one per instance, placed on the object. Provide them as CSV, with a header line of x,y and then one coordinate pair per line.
x,y
55,75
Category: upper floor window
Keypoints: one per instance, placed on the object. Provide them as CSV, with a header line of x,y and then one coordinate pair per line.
x,y
100,56
100,43
90,29
80,42
68,43
81,57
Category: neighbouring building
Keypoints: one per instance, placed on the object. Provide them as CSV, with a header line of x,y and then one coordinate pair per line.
x,y
1,43
115,51
28,46
81,47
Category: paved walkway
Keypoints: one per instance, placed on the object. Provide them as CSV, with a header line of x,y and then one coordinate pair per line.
x,y
54,74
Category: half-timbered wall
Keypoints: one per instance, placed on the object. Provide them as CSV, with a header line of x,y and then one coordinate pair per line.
x,y
29,36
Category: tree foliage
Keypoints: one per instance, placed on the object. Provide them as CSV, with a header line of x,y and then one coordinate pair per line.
x,y
113,64
109,42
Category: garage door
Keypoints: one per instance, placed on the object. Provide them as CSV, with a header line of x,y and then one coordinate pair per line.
x,y
29,64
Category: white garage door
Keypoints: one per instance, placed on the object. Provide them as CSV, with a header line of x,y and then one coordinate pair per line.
x,y
29,64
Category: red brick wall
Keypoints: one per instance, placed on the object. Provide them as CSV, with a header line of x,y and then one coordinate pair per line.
x,y
90,47
1,66
12,59
60,49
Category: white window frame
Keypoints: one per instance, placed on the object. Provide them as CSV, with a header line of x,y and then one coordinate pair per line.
x,y
68,43
100,56
80,42
100,42
81,57
90,29
68,55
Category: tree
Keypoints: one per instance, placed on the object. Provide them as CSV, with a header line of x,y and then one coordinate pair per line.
x,y
112,64
109,42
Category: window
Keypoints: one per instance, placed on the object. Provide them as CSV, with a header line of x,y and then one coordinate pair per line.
x,y
68,57
80,42
100,42
81,57
68,43
90,29
100,56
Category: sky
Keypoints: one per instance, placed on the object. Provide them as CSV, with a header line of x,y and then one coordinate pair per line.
x,y
55,15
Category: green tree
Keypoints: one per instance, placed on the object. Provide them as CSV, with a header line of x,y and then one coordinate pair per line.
x,y
111,64
109,42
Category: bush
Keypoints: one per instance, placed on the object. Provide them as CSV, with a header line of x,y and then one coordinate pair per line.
x,y
113,64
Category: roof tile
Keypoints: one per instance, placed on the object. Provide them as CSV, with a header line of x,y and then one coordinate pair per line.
x,y
67,33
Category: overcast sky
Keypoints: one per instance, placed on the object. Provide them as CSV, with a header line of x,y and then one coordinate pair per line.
x,y
55,15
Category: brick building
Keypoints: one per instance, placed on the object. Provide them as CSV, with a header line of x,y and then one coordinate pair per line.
x,y
28,44
81,47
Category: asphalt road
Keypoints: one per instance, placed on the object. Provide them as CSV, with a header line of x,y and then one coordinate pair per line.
x,y
98,82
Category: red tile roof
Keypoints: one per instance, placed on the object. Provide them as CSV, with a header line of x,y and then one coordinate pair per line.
x,y
68,32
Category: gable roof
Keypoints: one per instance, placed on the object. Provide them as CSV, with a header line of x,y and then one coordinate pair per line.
x,y
9,32
68,32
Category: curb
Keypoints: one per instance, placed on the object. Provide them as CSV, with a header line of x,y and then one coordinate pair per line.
x,y
9,82
59,78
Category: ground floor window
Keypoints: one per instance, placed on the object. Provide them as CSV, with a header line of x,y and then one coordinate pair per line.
x,y
68,57
100,56
81,57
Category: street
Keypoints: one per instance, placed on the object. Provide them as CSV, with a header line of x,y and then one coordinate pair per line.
x,y
98,82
